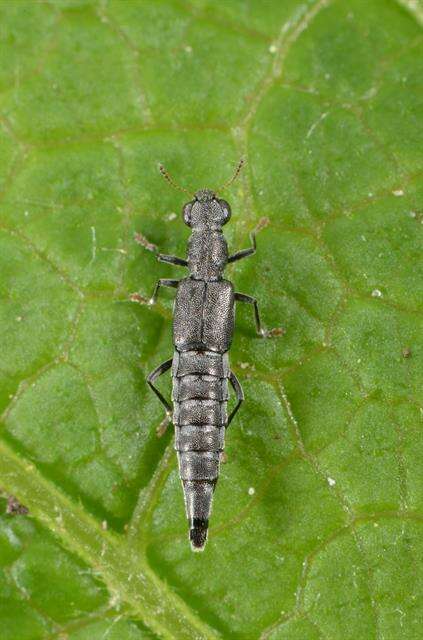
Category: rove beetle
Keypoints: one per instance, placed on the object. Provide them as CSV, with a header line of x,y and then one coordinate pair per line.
x,y
203,325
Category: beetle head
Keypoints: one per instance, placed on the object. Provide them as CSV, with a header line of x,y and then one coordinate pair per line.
x,y
206,211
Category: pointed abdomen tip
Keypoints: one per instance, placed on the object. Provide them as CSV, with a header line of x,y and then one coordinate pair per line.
x,y
198,534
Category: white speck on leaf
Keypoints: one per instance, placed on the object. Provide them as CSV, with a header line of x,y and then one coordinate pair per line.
x,y
377,293
398,192
251,491
114,600
314,125
59,517
122,251
93,246
109,629
402,616
370,93
331,482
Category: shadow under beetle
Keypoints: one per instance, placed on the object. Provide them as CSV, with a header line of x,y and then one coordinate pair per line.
x,y
203,324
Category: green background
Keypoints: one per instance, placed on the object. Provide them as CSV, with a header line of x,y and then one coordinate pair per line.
x,y
316,530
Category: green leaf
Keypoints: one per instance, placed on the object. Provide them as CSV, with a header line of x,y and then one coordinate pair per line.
x,y
316,529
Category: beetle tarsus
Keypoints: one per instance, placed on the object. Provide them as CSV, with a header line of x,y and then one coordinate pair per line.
x,y
272,333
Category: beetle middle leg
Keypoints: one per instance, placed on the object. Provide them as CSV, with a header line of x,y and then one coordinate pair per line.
x,y
265,333
163,282
158,371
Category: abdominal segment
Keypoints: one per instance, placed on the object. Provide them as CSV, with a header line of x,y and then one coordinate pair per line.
x,y
200,394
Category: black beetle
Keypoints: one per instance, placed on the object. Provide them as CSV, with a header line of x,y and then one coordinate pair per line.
x,y
203,325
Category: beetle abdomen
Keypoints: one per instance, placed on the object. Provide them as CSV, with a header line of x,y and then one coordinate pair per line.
x,y
200,394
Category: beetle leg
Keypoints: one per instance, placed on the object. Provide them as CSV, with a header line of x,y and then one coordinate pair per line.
x,y
244,253
163,282
158,371
161,257
144,242
265,333
236,386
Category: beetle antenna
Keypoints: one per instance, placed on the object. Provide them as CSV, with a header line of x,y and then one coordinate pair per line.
x,y
234,176
170,180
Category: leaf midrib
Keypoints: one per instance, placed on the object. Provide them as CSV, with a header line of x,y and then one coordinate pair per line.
x,y
125,574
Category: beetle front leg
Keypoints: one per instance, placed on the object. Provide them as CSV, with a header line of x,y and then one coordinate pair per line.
x,y
181,262
264,333
244,253
161,257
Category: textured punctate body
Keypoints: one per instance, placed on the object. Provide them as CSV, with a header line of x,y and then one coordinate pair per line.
x,y
200,394
202,335
203,315
202,328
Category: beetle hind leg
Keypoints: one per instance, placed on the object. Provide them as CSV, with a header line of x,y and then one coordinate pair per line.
x,y
236,386
158,371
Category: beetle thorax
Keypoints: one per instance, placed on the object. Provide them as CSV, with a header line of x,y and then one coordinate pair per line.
x,y
207,254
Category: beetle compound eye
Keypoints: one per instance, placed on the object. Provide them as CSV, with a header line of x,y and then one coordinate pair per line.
x,y
226,211
187,213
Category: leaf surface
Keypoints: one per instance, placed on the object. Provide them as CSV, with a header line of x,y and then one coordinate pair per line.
x,y
316,529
